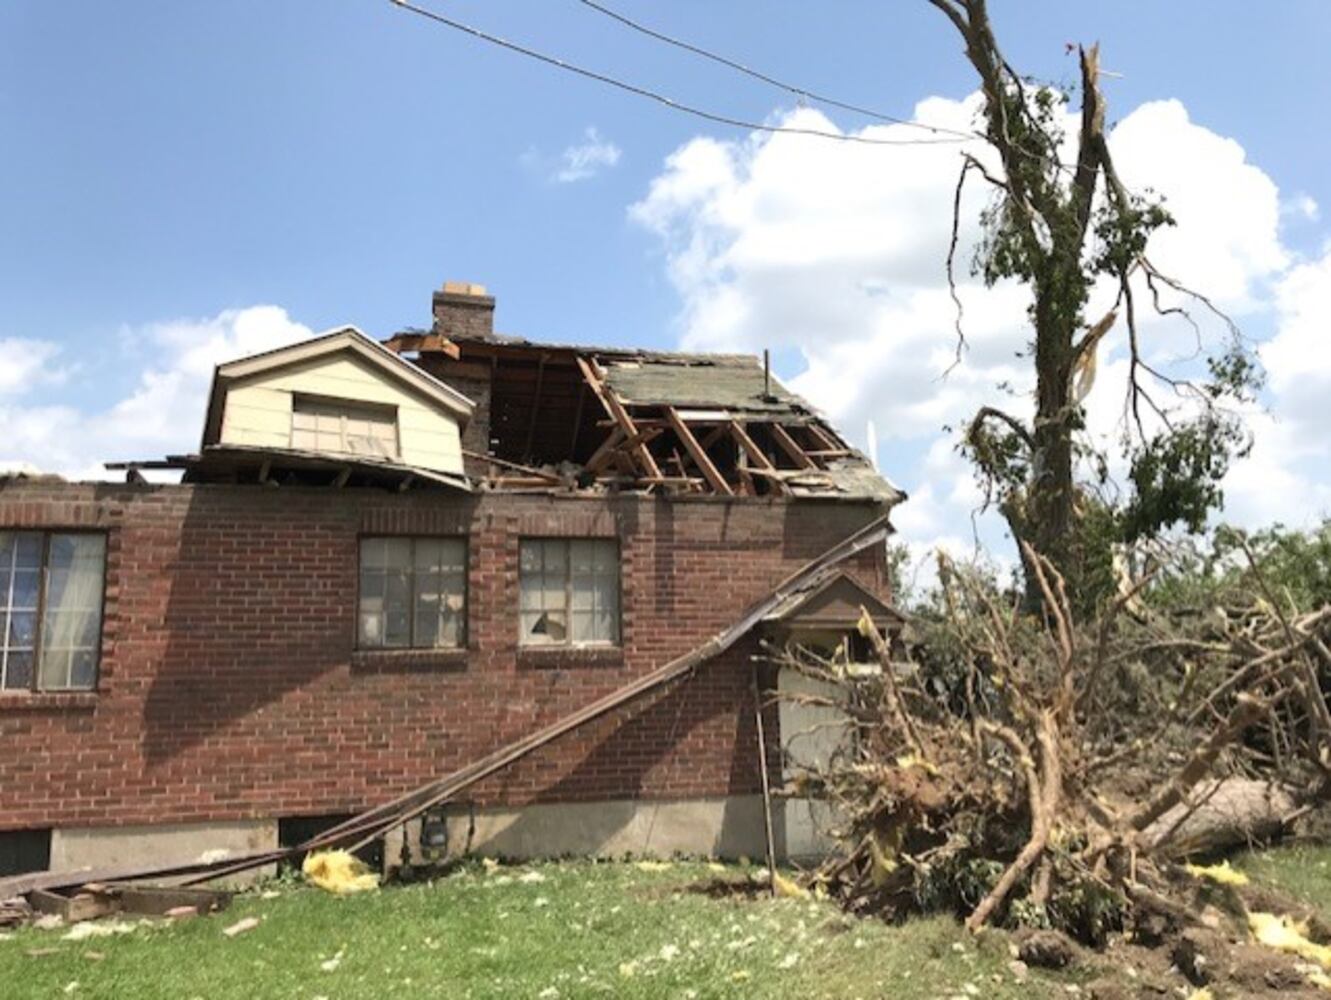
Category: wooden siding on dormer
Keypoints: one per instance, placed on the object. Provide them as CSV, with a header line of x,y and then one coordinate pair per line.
x,y
257,411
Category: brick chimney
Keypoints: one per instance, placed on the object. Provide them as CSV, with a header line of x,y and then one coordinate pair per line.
x,y
463,311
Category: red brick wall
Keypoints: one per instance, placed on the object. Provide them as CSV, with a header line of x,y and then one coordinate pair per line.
x,y
229,685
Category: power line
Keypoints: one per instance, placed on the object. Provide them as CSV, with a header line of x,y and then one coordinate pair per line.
x,y
652,95
790,88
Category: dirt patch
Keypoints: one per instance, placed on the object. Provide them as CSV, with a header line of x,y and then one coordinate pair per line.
x,y
729,888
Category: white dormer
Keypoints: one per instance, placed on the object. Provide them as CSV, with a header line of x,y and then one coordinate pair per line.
x,y
340,394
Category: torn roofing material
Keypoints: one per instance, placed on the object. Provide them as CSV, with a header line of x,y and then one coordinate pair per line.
x,y
658,421
725,382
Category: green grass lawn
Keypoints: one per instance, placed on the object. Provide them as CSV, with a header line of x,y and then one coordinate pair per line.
x,y
1302,870
541,931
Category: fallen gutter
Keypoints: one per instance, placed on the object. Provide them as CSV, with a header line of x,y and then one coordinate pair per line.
x,y
374,822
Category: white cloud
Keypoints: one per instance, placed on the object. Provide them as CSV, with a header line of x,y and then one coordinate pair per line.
x,y
838,250
1302,206
586,159
164,411
1288,477
25,365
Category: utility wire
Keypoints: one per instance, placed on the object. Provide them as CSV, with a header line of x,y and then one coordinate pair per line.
x,y
661,98
790,88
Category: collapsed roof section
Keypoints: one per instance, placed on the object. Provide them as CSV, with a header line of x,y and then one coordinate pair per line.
x,y
460,407
569,418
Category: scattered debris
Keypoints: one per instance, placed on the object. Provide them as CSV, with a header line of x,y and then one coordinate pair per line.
x,y
330,965
653,866
788,888
101,928
241,926
1046,949
14,911
1222,874
1288,936
339,871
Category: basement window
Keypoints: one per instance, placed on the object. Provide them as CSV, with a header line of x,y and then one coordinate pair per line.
x,y
51,586
344,427
24,851
413,593
569,591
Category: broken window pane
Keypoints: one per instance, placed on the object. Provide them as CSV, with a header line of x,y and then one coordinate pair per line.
x,y
412,592
569,591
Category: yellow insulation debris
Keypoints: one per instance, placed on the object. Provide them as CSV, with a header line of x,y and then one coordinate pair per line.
x,y
789,888
1221,874
1289,936
339,871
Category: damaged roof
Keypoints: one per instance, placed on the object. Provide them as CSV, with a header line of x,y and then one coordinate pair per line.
x,y
720,381
672,422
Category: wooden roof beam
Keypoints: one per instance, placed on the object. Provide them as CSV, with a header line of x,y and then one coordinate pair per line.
x,y
605,452
755,454
698,454
787,444
593,376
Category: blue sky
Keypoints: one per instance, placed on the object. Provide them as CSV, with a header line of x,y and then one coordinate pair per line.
x,y
166,163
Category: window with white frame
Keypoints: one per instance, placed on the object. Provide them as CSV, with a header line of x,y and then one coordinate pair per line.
x,y
51,587
569,591
344,427
413,593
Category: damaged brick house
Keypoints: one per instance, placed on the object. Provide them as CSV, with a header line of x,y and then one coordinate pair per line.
x,y
386,560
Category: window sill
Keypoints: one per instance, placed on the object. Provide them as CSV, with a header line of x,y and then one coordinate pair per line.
x,y
570,657
409,661
48,701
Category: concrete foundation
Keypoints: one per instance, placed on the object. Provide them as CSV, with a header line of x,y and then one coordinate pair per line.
x,y
723,828
730,827
161,845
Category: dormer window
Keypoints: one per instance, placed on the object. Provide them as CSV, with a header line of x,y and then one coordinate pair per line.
x,y
344,427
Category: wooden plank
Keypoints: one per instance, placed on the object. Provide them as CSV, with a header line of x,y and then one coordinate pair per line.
x,y
577,419
766,787
605,453
750,446
71,909
425,343
828,442
698,454
154,900
788,445
615,408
